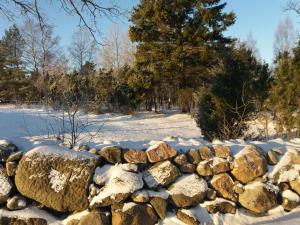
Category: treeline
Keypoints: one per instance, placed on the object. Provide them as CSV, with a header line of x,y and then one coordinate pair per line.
x,y
177,56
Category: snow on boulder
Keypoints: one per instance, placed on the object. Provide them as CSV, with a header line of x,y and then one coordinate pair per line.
x,y
259,197
161,174
290,200
160,152
188,190
133,214
5,185
118,184
56,177
249,164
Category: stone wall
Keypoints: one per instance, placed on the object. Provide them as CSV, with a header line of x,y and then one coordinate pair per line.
x,y
131,187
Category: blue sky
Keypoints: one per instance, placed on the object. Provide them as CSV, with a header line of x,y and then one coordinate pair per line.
x,y
258,17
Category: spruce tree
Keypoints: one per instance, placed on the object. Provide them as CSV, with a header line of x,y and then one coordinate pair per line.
x,y
177,42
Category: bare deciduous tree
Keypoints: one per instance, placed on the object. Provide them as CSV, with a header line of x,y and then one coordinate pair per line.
x,y
87,11
285,36
82,48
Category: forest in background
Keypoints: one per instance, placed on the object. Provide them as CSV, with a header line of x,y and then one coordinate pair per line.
x,y
175,55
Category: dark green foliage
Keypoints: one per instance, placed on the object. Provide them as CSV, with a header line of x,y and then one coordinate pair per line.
x,y
177,42
228,104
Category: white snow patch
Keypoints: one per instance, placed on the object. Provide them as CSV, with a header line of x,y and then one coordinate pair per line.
x,y
5,184
189,185
290,195
57,180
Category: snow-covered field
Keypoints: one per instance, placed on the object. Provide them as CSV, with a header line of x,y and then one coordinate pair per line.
x,y
31,127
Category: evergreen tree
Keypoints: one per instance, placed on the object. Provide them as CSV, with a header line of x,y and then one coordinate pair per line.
x,y
13,77
224,109
177,42
285,91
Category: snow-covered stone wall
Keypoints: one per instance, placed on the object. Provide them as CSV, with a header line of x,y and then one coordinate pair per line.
x,y
120,186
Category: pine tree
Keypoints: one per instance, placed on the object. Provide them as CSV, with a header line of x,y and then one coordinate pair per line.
x,y
176,43
12,45
225,108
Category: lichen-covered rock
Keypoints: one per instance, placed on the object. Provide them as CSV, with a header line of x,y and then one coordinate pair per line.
x,y
194,156
220,165
11,168
258,197
111,154
160,206
55,177
224,185
220,205
161,174
204,168
140,196
249,163
118,183
186,217
206,152
272,158
135,156
20,221
17,202
160,152
180,159
5,184
278,151
290,200
188,190
222,151
187,168
133,214
295,185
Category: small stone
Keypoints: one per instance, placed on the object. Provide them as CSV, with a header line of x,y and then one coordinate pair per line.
x,y
161,174
238,187
140,196
211,194
187,168
194,156
135,156
295,185
160,206
11,168
160,152
222,151
224,184
277,151
272,158
15,157
220,205
204,168
180,159
133,214
290,200
17,202
93,151
220,165
284,186
188,190
83,147
206,153
111,154
186,217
